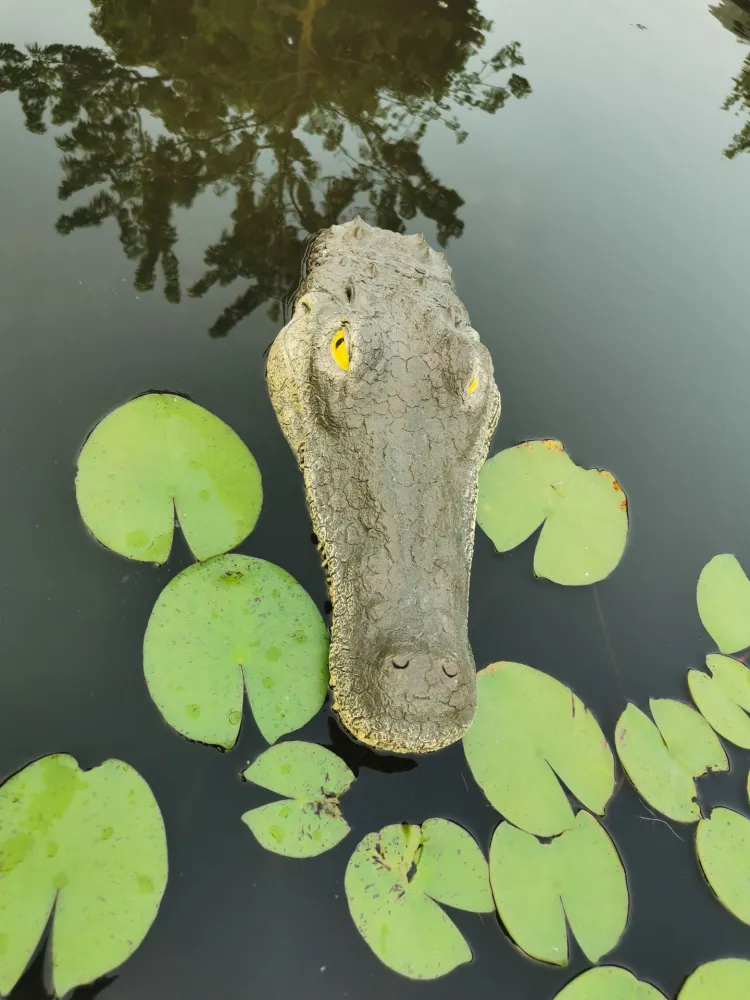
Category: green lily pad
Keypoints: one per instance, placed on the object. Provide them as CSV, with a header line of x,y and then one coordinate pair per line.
x,y
226,620
392,882
724,697
528,729
724,603
724,979
308,821
159,455
664,762
577,875
451,868
608,982
89,845
722,843
584,511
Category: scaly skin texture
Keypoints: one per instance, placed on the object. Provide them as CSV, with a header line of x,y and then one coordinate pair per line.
x,y
390,451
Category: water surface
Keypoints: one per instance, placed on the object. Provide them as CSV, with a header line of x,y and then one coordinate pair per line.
x,y
163,165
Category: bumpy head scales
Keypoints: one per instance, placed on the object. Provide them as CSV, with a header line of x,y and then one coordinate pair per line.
x,y
388,399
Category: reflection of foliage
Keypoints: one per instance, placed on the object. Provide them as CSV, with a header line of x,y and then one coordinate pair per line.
x,y
740,99
228,94
735,16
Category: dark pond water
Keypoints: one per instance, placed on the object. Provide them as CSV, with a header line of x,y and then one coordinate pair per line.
x,y
161,172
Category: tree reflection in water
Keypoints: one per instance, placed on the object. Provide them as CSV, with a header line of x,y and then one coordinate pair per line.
x,y
251,97
735,16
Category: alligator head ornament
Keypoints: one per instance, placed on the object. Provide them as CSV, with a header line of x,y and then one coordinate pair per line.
x,y
388,400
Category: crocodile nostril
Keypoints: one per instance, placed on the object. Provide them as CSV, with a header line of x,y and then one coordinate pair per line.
x,y
450,669
400,662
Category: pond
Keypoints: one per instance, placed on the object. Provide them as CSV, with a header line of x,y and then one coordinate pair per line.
x,y
164,163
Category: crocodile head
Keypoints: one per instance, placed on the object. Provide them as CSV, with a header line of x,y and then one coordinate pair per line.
x,y
387,397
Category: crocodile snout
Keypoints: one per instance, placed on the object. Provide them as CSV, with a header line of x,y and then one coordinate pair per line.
x,y
411,694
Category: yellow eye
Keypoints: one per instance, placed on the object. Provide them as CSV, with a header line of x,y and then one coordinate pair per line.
x,y
474,384
339,351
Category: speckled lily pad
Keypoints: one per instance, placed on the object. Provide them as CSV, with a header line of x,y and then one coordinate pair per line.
x,y
608,982
722,842
584,511
88,845
308,821
723,597
578,876
229,623
724,979
723,697
394,882
161,455
528,729
664,758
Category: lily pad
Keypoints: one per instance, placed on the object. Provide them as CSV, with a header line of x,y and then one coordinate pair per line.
x,y
578,875
88,845
528,729
608,982
231,620
584,511
724,603
393,881
724,697
723,845
159,455
724,979
308,821
664,762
